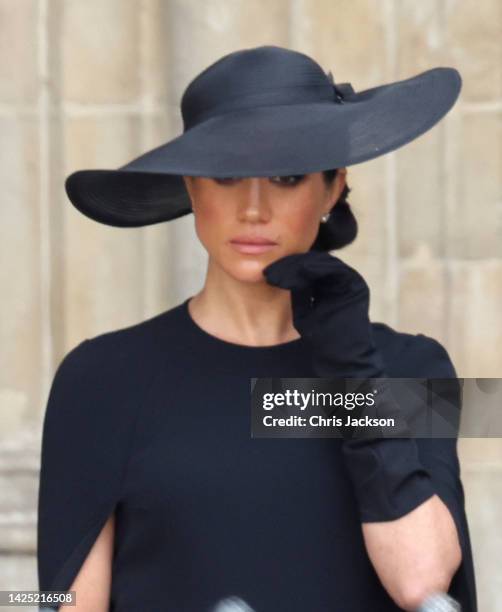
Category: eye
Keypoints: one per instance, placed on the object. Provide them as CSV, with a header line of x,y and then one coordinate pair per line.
x,y
225,180
289,180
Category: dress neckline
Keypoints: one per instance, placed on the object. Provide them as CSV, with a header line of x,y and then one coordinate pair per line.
x,y
210,339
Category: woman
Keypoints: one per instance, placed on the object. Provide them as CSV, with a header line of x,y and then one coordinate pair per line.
x,y
161,500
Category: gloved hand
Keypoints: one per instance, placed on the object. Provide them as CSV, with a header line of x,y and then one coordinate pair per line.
x,y
330,303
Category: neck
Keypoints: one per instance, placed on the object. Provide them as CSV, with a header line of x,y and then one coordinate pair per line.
x,y
249,312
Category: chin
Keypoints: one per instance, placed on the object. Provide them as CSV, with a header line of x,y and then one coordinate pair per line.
x,y
250,271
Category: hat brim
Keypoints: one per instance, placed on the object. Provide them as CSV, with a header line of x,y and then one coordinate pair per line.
x,y
305,138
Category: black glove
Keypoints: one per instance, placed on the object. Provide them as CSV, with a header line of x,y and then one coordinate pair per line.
x,y
330,302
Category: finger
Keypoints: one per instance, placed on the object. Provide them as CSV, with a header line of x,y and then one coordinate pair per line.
x,y
321,265
330,276
287,272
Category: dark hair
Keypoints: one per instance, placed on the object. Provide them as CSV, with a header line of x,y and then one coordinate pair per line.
x,y
341,227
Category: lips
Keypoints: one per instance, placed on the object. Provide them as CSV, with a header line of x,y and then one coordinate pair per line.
x,y
252,240
252,245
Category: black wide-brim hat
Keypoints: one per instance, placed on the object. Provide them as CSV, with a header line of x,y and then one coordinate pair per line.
x,y
264,111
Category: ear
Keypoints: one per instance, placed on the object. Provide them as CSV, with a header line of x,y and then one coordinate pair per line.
x,y
188,186
340,181
337,187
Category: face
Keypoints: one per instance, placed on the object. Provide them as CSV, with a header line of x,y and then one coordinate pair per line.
x,y
285,210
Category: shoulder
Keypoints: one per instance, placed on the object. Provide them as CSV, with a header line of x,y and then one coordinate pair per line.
x,y
105,377
130,349
409,355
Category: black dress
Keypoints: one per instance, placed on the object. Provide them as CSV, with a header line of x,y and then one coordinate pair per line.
x,y
153,422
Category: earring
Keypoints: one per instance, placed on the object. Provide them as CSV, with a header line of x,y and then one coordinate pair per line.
x,y
325,218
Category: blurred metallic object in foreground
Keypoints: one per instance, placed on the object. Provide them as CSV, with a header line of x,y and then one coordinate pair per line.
x,y
232,604
440,602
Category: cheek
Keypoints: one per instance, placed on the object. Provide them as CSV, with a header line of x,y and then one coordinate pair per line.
x,y
210,224
301,226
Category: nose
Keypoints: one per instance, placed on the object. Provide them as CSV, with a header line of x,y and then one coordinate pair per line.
x,y
254,205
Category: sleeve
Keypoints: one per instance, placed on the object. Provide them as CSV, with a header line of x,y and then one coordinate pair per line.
x,y
439,456
393,476
86,436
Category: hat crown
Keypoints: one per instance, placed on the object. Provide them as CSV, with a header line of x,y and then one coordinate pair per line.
x,y
261,76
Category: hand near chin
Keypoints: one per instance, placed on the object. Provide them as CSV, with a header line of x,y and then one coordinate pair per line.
x,y
330,302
